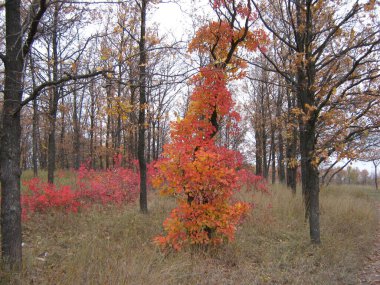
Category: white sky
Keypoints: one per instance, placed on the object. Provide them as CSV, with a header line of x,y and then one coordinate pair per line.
x,y
170,18
174,19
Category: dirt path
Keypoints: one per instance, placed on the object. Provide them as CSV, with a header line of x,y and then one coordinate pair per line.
x,y
371,272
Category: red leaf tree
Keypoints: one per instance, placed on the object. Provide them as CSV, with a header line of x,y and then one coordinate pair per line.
x,y
194,168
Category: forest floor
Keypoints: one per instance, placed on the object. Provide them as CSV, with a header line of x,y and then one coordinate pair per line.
x,y
371,272
113,245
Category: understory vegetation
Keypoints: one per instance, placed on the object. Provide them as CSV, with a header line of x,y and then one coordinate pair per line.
x,y
112,244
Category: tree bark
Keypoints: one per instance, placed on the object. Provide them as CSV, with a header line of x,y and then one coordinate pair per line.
x,y
280,158
108,130
158,140
259,153
291,170
35,125
263,140
273,154
291,147
279,125
54,100
118,127
142,106
310,181
376,183
62,157
154,134
76,130
11,236
92,124
149,141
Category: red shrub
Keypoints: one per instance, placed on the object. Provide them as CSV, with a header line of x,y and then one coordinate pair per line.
x,y
250,181
42,196
113,186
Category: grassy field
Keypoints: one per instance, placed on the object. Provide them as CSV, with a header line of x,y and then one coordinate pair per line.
x,y
113,245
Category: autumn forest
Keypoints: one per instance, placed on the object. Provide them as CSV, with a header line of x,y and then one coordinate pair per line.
x,y
241,147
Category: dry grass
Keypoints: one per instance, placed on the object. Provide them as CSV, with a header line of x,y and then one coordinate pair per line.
x,y
113,245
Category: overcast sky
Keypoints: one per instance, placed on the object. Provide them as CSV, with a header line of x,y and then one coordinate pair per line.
x,y
174,18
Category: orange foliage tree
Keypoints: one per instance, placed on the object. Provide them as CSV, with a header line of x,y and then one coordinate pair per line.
x,y
201,174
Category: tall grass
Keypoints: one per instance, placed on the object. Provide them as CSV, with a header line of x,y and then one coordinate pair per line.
x,y
111,245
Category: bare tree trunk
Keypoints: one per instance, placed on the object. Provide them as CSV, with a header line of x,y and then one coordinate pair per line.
x,y
76,130
273,154
43,152
154,134
10,172
92,125
142,103
264,152
376,183
149,140
310,181
291,167
108,130
118,127
279,125
54,100
35,124
158,151
291,147
35,138
259,153
280,158
101,166
62,160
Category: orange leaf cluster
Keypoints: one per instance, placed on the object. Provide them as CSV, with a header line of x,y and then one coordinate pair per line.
x,y
201,174
217,37
194,168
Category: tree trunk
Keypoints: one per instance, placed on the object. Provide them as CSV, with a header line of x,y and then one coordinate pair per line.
x,y
291,168
35,138
76,131
43,152
54,100
291,146
11,236
92,125
101,166
273,154
279,126
158,150
264,153
62,157
149,141
142,103
259,153
154,140
118,127
376,184
35,125
108,130
280,158
310,180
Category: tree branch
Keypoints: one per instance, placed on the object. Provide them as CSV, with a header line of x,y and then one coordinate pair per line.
x,y
2,57
33,28
266,24
64,79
